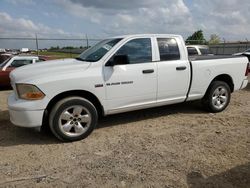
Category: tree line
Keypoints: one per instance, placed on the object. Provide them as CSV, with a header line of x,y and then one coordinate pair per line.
x,y
198,38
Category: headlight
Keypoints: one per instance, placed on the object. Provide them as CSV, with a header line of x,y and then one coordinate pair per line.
x,y
29,92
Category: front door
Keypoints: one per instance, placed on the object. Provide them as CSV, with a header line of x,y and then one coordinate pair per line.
x,y
132,85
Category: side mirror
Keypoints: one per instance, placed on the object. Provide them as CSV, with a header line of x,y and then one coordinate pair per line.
x,y
118,60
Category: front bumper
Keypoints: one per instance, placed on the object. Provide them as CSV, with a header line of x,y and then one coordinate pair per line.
x,y
23,117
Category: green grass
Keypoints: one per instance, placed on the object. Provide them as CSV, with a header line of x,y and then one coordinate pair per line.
x,y
58,55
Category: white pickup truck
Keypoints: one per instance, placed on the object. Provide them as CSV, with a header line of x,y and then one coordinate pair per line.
x,y
117,75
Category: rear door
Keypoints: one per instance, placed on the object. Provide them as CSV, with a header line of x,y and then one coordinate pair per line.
x,y
173,72
132,85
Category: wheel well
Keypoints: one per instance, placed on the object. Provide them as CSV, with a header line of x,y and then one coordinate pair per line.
x,y
80,93
227,79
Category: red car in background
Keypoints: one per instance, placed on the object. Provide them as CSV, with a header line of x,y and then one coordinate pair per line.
x,y
10,64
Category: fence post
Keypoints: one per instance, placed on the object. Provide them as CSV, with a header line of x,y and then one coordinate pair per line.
x,y
37,52
87,41
246,44
224,43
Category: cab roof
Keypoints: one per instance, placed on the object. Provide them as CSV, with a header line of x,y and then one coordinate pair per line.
x,y
147,35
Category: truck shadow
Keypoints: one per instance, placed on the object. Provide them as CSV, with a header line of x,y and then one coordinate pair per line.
x,y
11,135
151,113
236,177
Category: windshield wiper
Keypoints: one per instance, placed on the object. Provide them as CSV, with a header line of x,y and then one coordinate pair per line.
x,y
88,60
80,59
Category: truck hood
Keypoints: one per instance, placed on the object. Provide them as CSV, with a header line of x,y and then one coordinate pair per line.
x,y
27,73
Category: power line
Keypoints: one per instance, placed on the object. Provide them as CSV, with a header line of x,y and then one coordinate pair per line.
x,y
62,39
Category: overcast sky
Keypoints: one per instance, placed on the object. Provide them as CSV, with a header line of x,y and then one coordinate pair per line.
x,y
230,19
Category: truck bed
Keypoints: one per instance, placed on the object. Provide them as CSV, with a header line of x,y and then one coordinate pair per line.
x,y
211,57
206,68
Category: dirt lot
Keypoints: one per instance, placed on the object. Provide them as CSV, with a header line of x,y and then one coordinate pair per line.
x,y
172,146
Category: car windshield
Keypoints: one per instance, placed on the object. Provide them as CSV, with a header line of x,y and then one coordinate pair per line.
x,y
96,52
248,50
5,62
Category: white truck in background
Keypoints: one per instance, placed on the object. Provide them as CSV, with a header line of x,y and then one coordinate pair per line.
x,y
194,50
116,75
24,50
2,50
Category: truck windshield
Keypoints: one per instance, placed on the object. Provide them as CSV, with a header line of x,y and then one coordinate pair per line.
x,y
96,52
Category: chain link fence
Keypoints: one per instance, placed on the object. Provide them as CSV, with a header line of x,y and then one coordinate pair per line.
x,y
46,46
75,46
228,48
223,47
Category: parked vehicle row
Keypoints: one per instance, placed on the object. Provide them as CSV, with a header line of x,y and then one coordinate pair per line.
x,y
117,75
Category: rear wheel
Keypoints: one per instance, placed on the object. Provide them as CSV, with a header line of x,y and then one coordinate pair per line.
x,y
73,118
217,97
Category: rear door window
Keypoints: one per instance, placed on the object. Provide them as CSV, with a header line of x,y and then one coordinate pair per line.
x,y
168,49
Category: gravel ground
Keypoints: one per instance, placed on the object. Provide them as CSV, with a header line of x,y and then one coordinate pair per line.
x,y
171,146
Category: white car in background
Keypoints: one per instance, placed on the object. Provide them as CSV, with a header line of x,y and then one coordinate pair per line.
x,y
2,50
24,50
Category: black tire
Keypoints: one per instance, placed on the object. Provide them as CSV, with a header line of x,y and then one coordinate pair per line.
x,y
209,100
68,106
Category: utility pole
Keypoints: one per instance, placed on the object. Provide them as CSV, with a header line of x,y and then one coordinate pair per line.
x,y
37,52
246,44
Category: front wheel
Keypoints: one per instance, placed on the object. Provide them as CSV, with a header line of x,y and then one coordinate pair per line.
x,y
217,97
73,118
